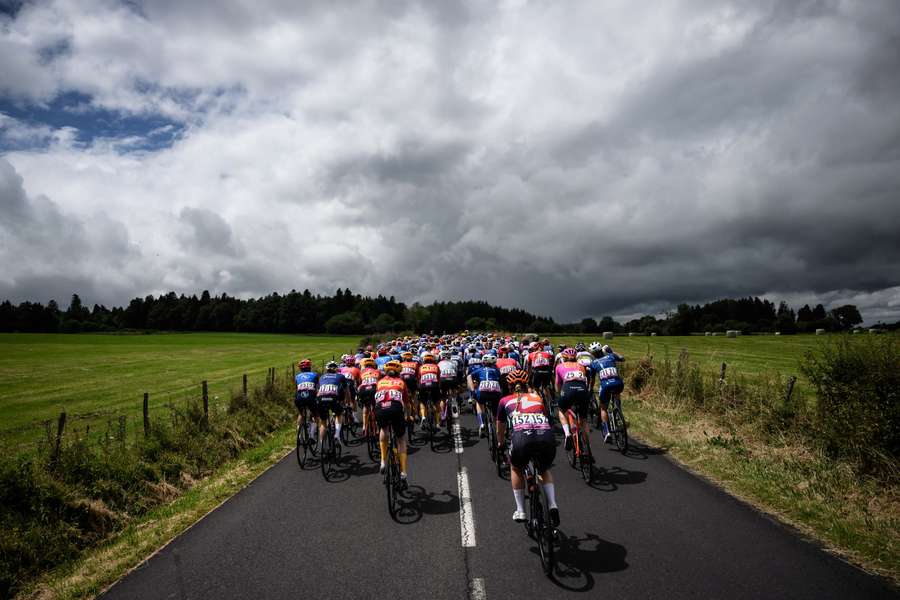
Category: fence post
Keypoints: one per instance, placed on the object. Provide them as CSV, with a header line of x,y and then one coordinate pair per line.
x,y
790,389
722,373
244,385
205,401
146,414
122,429
60,427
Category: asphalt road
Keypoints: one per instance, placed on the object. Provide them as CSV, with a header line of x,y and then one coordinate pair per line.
x,y
644,529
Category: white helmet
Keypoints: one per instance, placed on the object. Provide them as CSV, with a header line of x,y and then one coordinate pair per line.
x,y
489,359
594,347
445,354
607,349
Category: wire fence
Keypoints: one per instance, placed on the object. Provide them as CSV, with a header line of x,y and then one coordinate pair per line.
x,y
119,427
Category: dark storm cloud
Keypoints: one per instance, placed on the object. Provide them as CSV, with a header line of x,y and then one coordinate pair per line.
x,y
575,160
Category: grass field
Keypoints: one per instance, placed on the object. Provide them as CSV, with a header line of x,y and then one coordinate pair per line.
x,y
42,374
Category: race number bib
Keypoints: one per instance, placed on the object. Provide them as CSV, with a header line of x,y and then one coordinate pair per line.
x,y
608,373
528,419
369,381
541,361
489,386
428,378
448,373
504,370
306,386
574,376
329,390
388,396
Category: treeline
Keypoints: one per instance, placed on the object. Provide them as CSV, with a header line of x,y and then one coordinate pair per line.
x,y
346,312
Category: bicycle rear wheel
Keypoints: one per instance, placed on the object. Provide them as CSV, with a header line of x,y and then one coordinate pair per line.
x,y
621,435
572,453
546,538
587,458
326,453
302,444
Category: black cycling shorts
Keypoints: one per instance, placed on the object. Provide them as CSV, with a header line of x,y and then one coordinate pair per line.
x,y
576,397
540,445
391,416
366,396
609,390
540,379
323,405
430,393
491,400
448,385
411,385
304,400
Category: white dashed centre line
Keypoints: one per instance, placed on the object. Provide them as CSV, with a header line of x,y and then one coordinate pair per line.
x,y
466,518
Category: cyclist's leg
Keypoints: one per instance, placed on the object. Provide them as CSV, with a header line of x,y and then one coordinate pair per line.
x,y
517,462
400,434
603,399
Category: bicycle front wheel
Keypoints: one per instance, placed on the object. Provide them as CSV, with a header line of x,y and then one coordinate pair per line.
x,y
621,434
326,454
546,537
302,445
587,458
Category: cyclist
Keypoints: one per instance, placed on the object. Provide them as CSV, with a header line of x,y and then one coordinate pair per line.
x,y
447,369
506,365
333,391
585,358
611,383
572,390
539,364
368,382
485,382
532,437
429,388
307,383
409,373
352,373
391,404
382,358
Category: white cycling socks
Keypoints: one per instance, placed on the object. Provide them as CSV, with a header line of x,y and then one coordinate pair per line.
x,y
566,429
550,490
480,420
312,430
520,499
337,430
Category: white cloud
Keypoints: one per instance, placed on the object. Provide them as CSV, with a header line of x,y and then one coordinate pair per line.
x,y
572,160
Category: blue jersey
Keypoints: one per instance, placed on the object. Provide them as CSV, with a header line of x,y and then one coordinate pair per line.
x,y
514,355
332,386
487,381
307,384
381,361
605,369
474,363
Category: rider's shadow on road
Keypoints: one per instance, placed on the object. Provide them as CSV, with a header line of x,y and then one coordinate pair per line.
x,y
416,501
578,558
609,479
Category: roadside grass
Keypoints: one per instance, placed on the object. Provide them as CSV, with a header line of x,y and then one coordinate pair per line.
x,y
102,566
854,515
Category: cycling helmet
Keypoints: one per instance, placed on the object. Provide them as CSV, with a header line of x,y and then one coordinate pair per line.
x,y
445,354
545,342
579,346
594,347
607,349
305,364
392,366
348,360
489,359
331,366
519,377
406,355
367,363
562,347
568,354
428,357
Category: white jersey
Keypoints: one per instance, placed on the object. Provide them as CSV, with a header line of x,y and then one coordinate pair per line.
x,y
447,369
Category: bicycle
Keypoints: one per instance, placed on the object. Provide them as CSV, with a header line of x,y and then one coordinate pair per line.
x,y
329,453
392,482
580,455
350,430
306,446
370,431
618,428
537,522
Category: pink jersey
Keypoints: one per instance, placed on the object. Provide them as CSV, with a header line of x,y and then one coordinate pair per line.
x,y
570,372
525,412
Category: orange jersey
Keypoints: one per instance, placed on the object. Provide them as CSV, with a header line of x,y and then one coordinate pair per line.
x,y
369,378
429,375
351,373
409,369
390,389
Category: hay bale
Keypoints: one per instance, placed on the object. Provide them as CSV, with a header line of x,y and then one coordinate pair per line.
x,y
653,334
707,334
607,335
732,333
777,333
820,332
875,330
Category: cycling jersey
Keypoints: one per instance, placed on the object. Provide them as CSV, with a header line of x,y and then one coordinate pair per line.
x,y
584,358
525,412
331,387
429,375
447,370
307,383
570,373
409,373
368,379
605,369
507,365
381,361
487,383
390,389
541,361
474,364
352,375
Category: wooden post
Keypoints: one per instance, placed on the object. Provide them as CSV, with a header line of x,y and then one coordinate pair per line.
x,y
790,389
122,429
60,427
244,385
146,414
205,401
722,373
293,370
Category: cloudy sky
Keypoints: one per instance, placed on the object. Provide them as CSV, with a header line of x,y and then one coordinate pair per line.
x,y
574,159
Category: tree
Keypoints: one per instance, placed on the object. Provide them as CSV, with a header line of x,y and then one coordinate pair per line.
x,y
847,316
77,312
588,325
475,324
818,313
348,322
785,321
